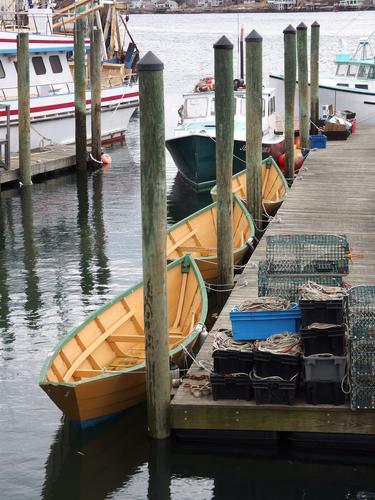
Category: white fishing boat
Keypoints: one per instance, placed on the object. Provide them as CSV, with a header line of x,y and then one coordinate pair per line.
x,y
194,146
352,87
52,90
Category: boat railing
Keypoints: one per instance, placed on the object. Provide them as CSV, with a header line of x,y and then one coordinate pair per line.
x,y
43,90
5,142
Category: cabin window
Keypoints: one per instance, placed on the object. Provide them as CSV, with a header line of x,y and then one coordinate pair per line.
x,y
352,70
361,86
371,73
55,64
342,69
342,84
2,72
196,107
263,107
38,64
363,70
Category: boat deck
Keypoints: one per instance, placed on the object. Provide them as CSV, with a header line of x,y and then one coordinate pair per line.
x,y
333,193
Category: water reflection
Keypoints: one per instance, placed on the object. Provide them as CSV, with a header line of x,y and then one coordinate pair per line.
x,y
84,229
183,200
118,461
33,295
91,465
103,273
8,336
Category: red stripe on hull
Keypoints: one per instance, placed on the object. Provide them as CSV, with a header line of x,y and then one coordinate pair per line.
x,y
51,107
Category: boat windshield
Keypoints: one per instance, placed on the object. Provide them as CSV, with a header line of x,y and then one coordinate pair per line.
x,y
342,69
196,107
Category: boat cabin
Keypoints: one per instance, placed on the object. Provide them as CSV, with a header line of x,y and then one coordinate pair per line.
x,y
199,108
357,71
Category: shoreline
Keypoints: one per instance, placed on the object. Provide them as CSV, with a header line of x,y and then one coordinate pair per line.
x,y
247,10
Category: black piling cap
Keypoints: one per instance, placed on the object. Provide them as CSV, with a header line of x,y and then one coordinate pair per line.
x,y
289,30
315,24
223,43
150,62
301,27
253,36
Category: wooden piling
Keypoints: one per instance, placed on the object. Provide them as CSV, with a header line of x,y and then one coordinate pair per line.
x,y
303,86
224,116
254,110
314,76
80,94
23,81
289,94
96,92
154,227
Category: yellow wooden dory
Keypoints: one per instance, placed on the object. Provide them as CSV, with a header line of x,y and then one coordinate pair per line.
x,y
197,235
99,369
274,186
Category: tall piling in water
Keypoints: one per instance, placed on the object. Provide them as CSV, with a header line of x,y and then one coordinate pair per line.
x,y
96,92
224,116
314,76
303,85
254,110
154,230
23,82
80,94
289,95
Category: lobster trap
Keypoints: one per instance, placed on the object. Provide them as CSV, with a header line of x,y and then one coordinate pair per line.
x,y
362,354
307,254
362,395
287,285
361,312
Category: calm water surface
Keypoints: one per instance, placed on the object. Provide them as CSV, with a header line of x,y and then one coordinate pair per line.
x,y
67,246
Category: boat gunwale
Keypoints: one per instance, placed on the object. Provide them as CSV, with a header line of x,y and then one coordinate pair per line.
x,y
275,165
198,328
247,243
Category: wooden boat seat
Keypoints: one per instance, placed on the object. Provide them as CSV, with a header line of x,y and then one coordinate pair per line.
x,y
181,241
202,250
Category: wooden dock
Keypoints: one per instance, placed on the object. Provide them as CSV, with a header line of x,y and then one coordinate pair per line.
x,y
333,193
43,161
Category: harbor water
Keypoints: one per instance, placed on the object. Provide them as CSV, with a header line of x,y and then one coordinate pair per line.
x,y
70,244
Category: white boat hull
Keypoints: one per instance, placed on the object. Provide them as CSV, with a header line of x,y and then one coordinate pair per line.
x,y
361,102
52,119
61,130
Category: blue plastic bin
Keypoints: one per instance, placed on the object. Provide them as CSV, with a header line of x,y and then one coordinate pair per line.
x,y
318,141
260,325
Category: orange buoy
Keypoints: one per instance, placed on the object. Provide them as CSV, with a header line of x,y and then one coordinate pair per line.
x,y
106,159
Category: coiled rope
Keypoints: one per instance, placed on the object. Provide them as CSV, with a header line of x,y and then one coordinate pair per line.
x,y
264,304
315,291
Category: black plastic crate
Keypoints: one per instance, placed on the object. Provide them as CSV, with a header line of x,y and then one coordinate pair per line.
x,y
232,361
329,340
267,364
324,393
231,387
279,392
322,311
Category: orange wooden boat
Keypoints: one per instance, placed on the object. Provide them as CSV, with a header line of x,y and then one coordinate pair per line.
x,y
197,235
98,370
274,186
